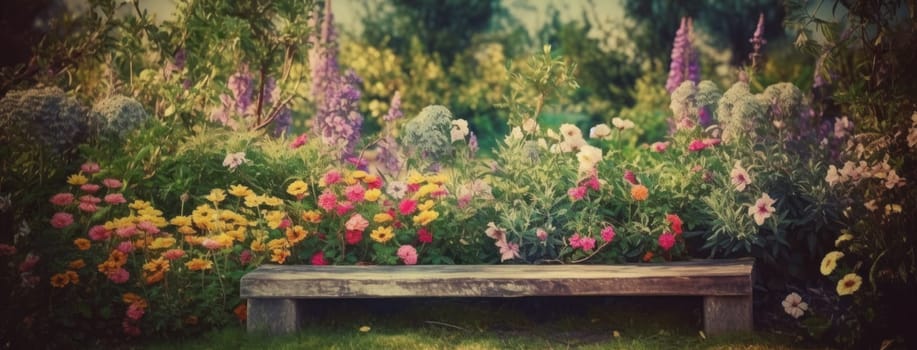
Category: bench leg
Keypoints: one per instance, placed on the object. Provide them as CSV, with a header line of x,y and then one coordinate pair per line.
x,y
274,316
727,314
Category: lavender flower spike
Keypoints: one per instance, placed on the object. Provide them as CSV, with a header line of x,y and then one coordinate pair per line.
x,y
394,111
684,64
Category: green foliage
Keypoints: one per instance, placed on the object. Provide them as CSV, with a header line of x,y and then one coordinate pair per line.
x,y
428,134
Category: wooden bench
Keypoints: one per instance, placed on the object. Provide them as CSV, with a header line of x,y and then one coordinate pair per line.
x,y
726,286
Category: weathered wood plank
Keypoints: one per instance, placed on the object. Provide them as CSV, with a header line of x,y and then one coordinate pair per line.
x,y
699,278
727,314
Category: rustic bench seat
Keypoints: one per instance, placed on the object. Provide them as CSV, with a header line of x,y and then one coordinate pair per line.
x,y
726,286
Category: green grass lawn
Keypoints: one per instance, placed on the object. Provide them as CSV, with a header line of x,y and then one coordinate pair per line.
x,y
527,323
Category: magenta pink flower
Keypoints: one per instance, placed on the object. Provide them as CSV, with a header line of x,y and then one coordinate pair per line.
x,y
697,146
344,207
299,141
332,177
319,258
327,200
112,183
424,235
126,247
99,233
245,257
407,207
541,234
356,223
584,243
61,220
508,251
135,311
666,241
89,188
354,193
7,250
592,182
90,168
88,207
284,223
711,142
408,254
115,198
29,263
659,147
174,254
62,199
577,193
353,236
608,233
119,276
630,177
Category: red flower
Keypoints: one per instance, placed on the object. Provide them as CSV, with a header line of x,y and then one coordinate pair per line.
x,y
666,241
697,146
407,207
299,141
424,235
630,177
353,236
676,223
319,258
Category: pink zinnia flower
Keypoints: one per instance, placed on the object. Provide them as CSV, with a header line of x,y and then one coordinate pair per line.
x,y
608,233
375,183
88,207
211,244
284,223
332,177
577,193
407,254
424,235
90,199
299,141
666,241
697,146
62,199
630,177
343,208
327,200
112,183
119,276
7,250
126,247
319,258
61,220
584,243
245,257
115,198
355,193
592,182
135,311
353,236
126,231
541,234
174,254
676,223
356,223
407,207
90,168
659,147
99,233
89,188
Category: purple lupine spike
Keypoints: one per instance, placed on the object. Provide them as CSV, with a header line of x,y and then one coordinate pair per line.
x,y
337,120
472,143
684,64
240,84
757,41
394,110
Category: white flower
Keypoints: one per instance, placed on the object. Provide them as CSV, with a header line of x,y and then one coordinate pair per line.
x,y
763,208
892,180
459,129
542,143
841,126
622,124
233,160
588,157
871,205
570,132
514,135
397,189
794,306
553,135
912,137
529,125
601,131
739,176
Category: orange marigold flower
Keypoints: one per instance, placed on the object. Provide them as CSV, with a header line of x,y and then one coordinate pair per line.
x,y
130,298
296,234
198,264
648,256
59,280
639,192
77,264
73,276
82,243
158,264
312,216
117,258
279,255
154,277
